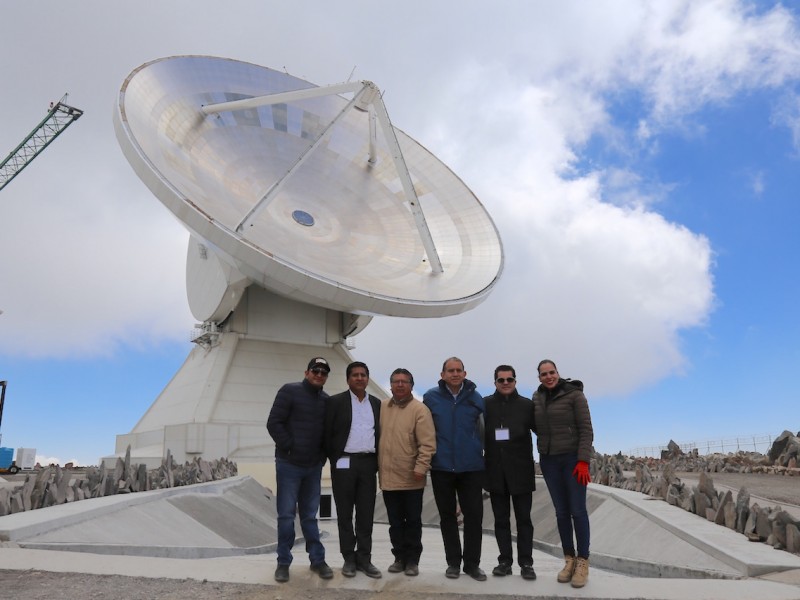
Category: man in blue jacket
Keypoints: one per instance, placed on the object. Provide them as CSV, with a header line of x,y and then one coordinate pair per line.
x,y
296,423
457,467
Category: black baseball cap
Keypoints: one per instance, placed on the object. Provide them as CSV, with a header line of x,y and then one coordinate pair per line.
x,y
319,363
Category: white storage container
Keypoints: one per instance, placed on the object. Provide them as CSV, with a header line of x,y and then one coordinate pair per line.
x,y
26,458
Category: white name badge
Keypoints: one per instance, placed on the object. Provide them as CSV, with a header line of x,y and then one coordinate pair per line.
x,y
343,463
501,434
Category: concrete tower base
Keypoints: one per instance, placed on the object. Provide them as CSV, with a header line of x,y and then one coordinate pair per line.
x,y
217,403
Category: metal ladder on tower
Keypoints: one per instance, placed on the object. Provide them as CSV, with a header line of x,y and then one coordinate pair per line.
x,y
59,117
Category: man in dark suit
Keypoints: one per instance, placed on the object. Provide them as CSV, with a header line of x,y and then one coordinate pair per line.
x,y
510,472
352,424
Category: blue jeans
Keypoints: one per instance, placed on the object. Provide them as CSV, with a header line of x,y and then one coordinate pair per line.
x,y
298,489
569,500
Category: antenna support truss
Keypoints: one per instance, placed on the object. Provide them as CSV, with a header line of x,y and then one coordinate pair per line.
x,y
367,98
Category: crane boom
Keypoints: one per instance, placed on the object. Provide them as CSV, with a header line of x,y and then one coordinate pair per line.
x,y
57,120
2,400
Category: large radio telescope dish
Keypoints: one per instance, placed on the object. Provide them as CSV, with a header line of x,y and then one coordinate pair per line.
x,y
306,192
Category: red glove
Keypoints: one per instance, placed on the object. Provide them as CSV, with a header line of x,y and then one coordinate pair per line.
x,y
581,472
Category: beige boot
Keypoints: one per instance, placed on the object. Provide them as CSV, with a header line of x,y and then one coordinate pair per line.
x,y
581,574
565,574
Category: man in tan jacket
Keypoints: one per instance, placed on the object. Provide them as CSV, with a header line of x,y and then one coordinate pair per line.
x,y
407,444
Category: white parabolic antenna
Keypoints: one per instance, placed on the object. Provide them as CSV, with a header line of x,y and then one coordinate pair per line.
x,y
305,192
308,192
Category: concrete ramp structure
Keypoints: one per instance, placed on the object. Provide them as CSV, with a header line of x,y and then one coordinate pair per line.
x,y
226,531
632,534
230,517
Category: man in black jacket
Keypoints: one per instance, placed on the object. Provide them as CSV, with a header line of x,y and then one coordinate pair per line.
x,y
510,475
352,424
296,423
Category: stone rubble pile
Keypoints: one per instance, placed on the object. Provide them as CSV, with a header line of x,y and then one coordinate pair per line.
x,y
53,485
656,478
785,451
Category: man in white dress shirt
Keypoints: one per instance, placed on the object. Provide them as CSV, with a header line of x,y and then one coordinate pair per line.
x,y
352,423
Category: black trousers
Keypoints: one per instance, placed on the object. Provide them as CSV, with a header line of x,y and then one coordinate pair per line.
x,y
464,490
354,491
404,509
501,507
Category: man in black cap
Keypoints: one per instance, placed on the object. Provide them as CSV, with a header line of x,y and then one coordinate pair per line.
x,y
296,424
351,442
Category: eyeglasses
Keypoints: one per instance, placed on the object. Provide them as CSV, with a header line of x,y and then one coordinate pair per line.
x,y
546,373
319,372
506,380
400,382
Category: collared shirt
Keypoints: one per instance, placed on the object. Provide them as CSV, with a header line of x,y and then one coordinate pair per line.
x,y
362,426
455,396
400,402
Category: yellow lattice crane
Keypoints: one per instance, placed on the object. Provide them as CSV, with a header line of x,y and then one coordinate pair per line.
x,y
59,117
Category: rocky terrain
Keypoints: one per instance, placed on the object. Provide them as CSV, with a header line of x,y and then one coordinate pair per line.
x,y
775,477
53,485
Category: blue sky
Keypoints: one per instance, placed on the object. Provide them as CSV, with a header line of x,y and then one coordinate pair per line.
x,y
640,159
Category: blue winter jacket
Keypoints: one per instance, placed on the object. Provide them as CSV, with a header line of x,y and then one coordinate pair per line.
x,y
459,439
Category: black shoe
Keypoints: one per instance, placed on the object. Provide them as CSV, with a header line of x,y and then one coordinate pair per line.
x,y
476,573
282,573
452,572
349,568
412,570
397,567
323,570
369,570
528,572
501,570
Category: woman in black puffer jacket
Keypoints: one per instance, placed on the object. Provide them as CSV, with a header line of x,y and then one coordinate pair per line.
x,y
564,438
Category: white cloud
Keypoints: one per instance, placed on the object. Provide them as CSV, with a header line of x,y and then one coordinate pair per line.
x,y
684,55
787,114
758,183
624,187
590,285
47,460
90,266
595,278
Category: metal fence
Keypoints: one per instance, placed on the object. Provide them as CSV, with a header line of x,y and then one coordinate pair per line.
x,y
746,443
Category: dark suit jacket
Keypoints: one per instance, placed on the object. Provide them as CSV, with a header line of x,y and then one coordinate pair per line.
x,y
510,462
339,418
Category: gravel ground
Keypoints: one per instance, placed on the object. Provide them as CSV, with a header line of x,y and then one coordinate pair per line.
x,y
19,586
